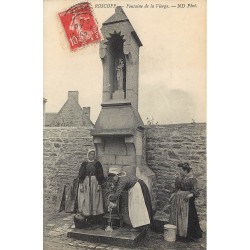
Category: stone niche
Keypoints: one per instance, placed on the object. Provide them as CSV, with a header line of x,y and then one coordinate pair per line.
x,y
119,52
117,66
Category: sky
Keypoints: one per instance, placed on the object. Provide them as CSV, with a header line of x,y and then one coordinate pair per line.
x,y
172,71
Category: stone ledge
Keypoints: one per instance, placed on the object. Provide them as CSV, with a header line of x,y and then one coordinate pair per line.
x,y
119,237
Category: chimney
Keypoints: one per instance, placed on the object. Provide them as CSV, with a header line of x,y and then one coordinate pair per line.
x,y
86,112
44,102
73,95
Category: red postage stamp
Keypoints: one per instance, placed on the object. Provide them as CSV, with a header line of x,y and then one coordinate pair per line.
x,y
80,25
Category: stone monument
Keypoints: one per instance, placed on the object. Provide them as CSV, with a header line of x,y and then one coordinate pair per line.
x,y
119,129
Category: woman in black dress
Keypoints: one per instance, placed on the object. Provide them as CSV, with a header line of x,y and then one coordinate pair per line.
x,y
139,201
184,214
90,201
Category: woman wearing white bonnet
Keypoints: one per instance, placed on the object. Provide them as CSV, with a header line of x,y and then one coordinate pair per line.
x,y
90,202
139,201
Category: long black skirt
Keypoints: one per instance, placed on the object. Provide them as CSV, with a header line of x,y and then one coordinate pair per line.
x,y
194,231
147,198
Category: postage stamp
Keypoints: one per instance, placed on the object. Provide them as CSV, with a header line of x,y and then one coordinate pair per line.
x,y
80,25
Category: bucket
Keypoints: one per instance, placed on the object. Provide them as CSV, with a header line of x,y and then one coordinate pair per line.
x,y
80,221
170,232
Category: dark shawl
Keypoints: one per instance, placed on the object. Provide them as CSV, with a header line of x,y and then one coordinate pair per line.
x,y
97,171
124,183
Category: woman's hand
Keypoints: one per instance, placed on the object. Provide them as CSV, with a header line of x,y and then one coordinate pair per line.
x,y
99,188
81,188
111,206
188,197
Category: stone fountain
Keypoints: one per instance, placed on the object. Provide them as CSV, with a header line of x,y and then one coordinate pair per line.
x,y
119,130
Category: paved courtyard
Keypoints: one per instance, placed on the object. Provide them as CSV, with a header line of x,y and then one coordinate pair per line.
x,y
57,225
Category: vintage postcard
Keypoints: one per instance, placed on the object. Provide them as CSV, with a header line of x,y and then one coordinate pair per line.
x,y
124,114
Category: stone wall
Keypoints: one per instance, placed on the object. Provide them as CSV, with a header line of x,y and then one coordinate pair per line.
x,y
65,148
166,146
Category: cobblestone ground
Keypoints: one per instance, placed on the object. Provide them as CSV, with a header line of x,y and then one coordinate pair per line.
x,y
57,225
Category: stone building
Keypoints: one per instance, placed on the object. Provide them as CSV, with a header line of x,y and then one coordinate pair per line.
x,y
70,115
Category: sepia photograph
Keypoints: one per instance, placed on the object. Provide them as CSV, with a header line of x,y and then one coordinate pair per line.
x,y
124,124
141,141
